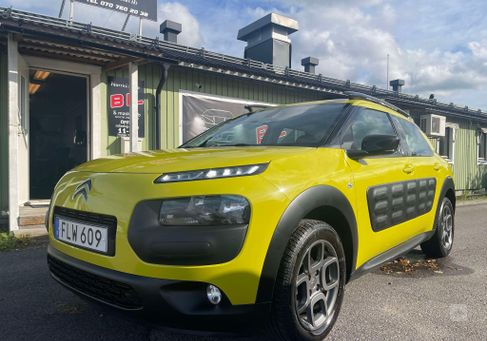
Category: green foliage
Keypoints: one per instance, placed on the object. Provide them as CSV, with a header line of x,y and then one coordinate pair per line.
x,y
9,241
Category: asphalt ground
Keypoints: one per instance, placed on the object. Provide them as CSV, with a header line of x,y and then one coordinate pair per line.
x,y
446,300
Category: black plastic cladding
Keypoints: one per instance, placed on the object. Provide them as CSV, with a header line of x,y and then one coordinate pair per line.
x,y
306,202
158,300
397,202
181,245
107,290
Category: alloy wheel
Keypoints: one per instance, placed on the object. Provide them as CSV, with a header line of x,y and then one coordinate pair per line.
x,y
317,285
446,225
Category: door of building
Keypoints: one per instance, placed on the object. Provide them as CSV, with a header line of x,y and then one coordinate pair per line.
x,y
58,134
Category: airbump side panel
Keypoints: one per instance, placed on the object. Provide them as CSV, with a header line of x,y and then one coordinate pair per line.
x,y
397,202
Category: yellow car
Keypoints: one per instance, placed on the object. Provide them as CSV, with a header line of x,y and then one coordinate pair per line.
x,y
267,215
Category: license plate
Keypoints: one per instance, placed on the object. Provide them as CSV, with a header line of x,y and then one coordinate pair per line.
x,y
81,234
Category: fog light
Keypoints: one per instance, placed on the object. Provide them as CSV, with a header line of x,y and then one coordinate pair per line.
x,y
214,294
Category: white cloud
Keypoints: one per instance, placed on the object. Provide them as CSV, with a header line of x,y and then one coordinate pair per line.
x,y
479,49
352,42
352,39
175,11
435,46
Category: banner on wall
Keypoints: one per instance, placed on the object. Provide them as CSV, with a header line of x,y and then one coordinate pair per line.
x,y
202,112
119,107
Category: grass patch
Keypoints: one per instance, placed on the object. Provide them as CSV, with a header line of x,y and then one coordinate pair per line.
x,y
8,241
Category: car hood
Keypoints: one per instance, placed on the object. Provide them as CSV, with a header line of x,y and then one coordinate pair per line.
x,y
164,161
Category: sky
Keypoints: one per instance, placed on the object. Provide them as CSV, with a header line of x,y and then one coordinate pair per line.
x,y
436,46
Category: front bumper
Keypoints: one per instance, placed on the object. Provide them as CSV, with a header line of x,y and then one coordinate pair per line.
x,y
235,267
156,299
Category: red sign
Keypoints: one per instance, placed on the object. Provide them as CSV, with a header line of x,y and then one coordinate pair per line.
x,y
119,100
260,133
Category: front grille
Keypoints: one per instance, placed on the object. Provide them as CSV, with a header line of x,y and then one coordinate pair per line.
x,y
100,219
107,290
94,218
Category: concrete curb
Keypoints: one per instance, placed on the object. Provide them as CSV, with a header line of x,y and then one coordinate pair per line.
x,y
473,202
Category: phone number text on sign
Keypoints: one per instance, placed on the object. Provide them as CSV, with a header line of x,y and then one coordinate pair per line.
x,y
146,9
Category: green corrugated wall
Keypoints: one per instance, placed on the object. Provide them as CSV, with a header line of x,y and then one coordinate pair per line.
x,y
468,174
214,84
3,129
196,81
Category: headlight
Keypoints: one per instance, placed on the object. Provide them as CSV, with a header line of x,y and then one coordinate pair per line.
x,y
212,173
205,210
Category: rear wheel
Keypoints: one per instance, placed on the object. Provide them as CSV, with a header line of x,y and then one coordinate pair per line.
x,y
309,289
441,243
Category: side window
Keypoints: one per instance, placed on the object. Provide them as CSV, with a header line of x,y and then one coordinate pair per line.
x,y
292,136
366,122
482,142
416,143
446,144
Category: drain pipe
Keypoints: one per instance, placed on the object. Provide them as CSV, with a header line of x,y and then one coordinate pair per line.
x,y
164,74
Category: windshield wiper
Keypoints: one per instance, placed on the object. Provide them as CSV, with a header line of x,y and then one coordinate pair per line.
x,y
229,145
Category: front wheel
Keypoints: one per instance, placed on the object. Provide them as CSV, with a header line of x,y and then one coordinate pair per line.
x,y
441,242
309,288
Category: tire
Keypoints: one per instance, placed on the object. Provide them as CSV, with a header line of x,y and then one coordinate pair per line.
x,y
440,244
292,302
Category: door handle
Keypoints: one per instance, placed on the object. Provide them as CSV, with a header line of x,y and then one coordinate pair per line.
x,y
408,169
437,166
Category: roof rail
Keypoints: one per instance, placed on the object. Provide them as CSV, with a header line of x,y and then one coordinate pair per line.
x,y
360,95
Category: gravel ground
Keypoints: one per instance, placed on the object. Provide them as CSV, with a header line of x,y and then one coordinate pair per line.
x,y
443,302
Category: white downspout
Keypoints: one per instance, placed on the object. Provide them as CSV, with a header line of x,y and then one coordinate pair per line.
x,y
13,132
134,106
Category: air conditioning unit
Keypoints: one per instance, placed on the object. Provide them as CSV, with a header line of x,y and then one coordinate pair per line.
x,y
433,125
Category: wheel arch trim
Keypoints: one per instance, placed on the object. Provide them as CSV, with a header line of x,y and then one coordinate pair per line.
x,y
448,184
309,200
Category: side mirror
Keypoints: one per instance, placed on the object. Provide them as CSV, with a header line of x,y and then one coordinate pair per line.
x,y
376,145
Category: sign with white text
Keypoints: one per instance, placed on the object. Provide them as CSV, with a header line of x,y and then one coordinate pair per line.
x,y
119,107
146,9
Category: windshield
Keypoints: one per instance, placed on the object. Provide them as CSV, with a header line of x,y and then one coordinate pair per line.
x,y
298,125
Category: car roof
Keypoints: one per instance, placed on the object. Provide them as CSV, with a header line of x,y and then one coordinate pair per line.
x,y
359,102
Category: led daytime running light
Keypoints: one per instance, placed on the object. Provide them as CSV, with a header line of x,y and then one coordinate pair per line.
x,y
212,173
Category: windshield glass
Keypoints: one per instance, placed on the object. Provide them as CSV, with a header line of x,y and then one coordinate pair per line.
x,y
298,125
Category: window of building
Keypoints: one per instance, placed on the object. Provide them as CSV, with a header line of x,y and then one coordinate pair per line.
x,y
482,146
446,144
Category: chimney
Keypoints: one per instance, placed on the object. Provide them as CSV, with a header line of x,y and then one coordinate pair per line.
x,y
268,39
309,64
171,29
397,84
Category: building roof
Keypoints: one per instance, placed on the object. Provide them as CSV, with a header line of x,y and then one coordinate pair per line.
x,y
55,37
